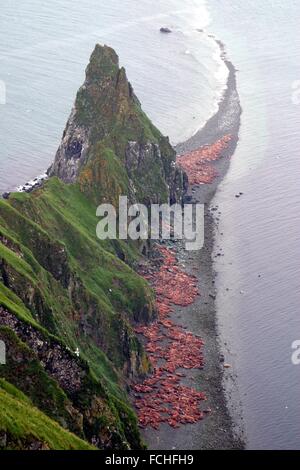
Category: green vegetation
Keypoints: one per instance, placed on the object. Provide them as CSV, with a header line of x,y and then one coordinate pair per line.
x,y
57,277
90,277
64,293
24,370
107,106
22,426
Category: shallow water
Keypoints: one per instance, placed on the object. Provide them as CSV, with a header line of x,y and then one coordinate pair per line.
x,y
259,316
45,47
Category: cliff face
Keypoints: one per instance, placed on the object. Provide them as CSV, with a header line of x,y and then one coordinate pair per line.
x,y
108,132
68,302
73,303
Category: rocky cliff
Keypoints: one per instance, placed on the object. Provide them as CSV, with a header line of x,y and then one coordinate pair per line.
x,y
108,132
68,302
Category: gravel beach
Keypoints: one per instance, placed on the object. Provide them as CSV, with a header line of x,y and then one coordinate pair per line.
x,y
215,431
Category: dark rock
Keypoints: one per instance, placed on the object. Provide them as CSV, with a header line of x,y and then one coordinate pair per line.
x,y
56,359
187,199
5,195
165,30
3,439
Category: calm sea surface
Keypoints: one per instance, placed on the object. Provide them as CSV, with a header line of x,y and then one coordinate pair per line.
x,y
44,48
260,316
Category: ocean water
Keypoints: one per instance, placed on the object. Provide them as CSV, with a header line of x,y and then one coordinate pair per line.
x,y
45,47
179,78
259,316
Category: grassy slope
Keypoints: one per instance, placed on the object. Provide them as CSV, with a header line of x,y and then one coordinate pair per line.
x,y
56,275
107,294
24,370
62,216
25,425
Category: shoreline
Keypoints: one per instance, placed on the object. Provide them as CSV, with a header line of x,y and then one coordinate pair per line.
x,y
37,181
217,430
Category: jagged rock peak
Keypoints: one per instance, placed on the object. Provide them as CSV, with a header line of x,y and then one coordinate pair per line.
x,y
101,57
97,142
96,94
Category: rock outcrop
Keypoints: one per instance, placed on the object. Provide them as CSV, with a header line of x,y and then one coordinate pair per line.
x,y
107,116
72,152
